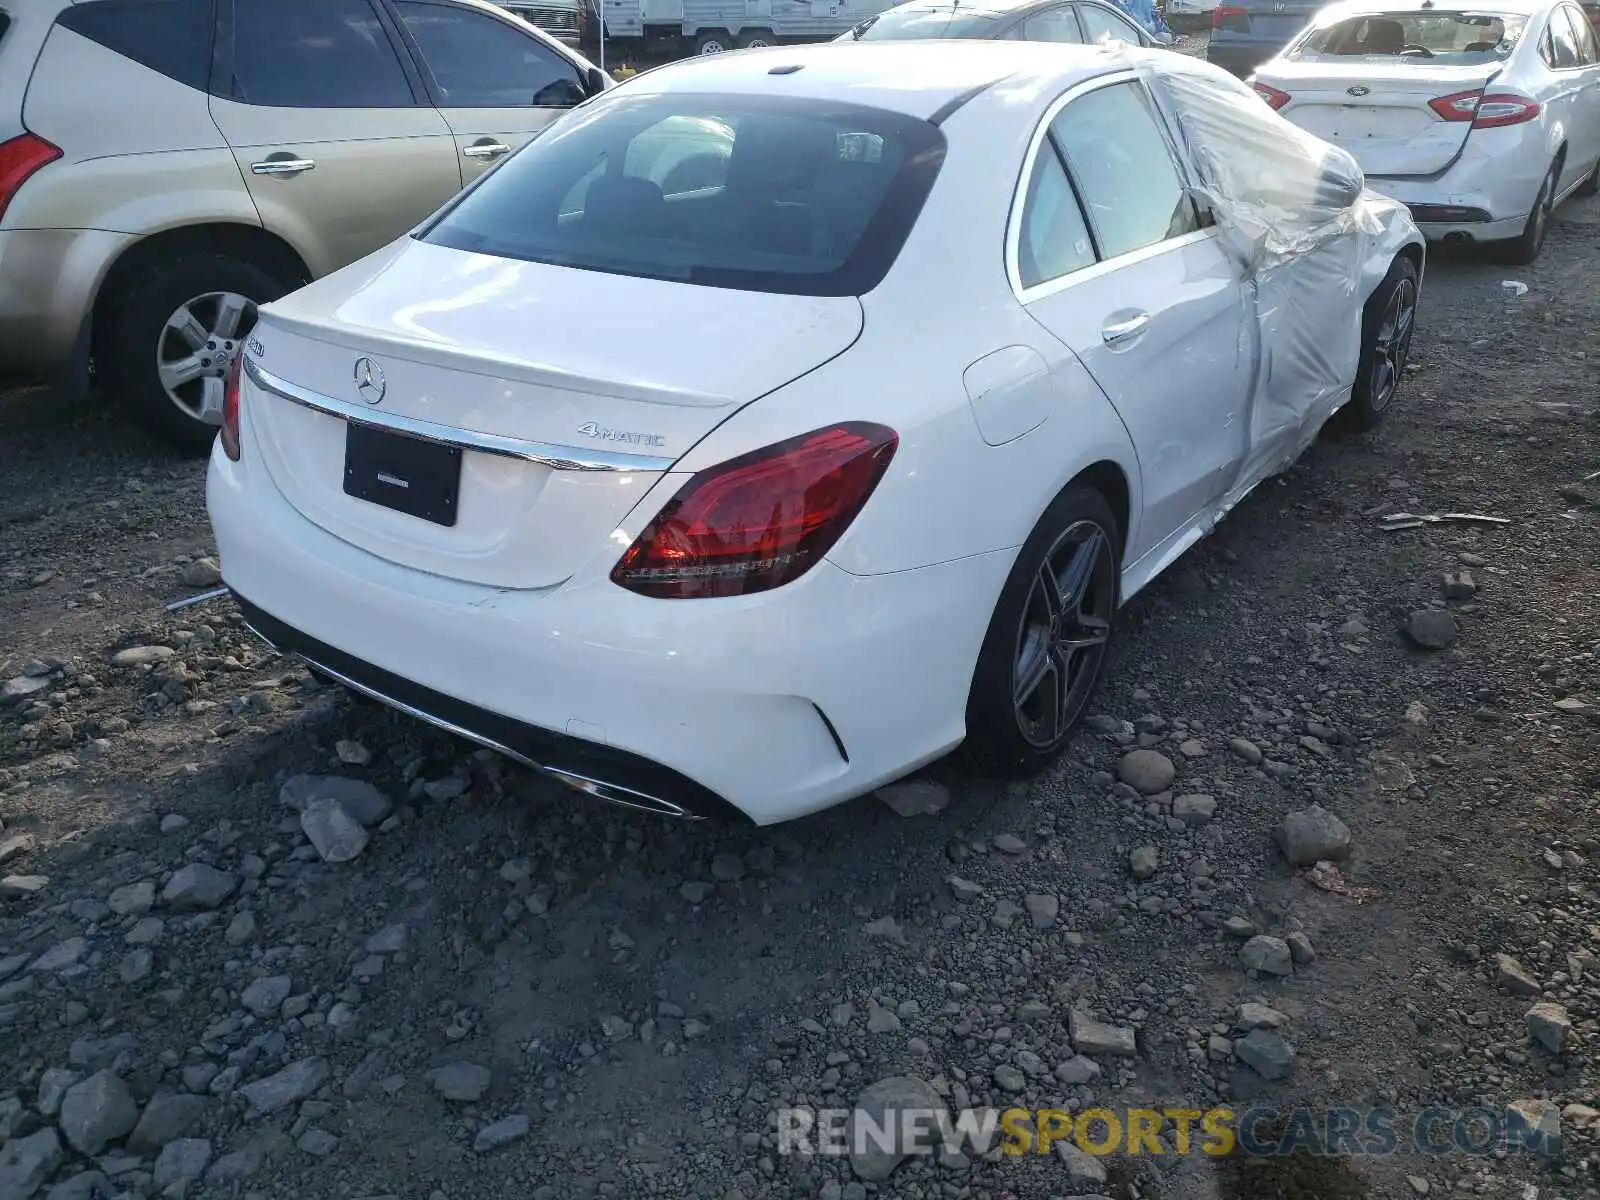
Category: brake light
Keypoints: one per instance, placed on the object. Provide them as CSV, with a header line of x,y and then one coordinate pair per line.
x,y
760,520
1495,110
1221,13
229,433
1274,98
20,157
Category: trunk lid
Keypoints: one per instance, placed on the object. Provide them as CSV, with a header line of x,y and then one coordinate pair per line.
x,y
582,361
1388,126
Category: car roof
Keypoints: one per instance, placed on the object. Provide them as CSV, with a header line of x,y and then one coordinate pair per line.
x,y
983,8
917,78
1352,8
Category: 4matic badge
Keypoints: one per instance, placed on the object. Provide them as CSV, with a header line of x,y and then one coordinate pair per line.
x,y
631,437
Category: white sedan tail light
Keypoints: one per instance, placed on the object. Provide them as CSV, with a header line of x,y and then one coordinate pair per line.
x,y
1491,112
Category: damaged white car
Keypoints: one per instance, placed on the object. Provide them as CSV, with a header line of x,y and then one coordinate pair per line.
x,y
747,476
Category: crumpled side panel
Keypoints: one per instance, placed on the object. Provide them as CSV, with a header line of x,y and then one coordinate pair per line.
x,y
1295,213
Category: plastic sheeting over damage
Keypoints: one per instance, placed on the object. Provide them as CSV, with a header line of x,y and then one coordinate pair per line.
x,y
1295,213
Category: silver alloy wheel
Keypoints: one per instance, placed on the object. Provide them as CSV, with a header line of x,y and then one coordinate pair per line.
x,y
711,46
1066,625
758,43
196,347
1392,344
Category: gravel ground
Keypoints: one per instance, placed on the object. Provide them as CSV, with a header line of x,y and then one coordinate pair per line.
x,y
508,991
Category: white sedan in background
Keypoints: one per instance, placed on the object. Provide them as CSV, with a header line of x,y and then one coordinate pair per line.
x,y
746,477
1480,118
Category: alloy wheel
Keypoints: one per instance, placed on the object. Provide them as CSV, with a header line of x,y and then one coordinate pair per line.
x,y
1392,344
196,347
1066,625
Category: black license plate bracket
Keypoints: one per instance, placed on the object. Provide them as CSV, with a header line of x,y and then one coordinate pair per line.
x,y
407,474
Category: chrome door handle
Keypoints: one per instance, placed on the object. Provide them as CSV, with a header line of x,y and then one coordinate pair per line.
x,y
283,166
1121,331
486,150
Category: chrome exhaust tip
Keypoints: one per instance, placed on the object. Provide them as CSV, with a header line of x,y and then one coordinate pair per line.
x,y
616,794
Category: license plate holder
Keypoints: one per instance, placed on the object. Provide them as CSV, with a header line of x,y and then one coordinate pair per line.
x,y
419,478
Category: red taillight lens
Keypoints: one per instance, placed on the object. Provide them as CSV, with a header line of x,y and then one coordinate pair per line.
x,y
1495,110
230,409
20,157
1221,13
1274,98
760,520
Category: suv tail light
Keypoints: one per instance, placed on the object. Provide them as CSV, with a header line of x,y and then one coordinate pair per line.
x,y
1222,13
1274,98
20,157
1495,109
760,520
230,409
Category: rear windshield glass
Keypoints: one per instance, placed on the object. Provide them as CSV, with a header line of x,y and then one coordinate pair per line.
x,y
758,193
1423,37
913,23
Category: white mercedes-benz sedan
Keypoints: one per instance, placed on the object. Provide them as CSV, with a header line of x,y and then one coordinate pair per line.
x,y
777,422
1482,119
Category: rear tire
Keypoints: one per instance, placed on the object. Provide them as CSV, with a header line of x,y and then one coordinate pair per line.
x,y
1046,648
1524,250
1387,325
148,351
757,39
716,42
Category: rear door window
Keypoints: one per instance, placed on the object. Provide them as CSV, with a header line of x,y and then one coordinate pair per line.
x,y
1052,25
1583,38
479,61
1054,239
315,54
761,193
170,36
1563,45
1124,169
1103,25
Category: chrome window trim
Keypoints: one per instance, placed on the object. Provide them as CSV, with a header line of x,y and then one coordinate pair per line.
x,y
544,454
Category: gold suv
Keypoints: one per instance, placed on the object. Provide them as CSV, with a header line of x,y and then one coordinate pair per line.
x,y
167,165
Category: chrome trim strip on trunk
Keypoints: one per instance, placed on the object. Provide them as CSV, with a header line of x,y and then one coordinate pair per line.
x,y
545,454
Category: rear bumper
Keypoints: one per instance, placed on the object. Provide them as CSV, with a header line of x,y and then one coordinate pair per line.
x,y
1486,196
48,281
777,705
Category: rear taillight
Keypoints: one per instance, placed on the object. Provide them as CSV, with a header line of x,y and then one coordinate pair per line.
x,y
760,520
1495,109
20,157
1222,12
1274,98
230,409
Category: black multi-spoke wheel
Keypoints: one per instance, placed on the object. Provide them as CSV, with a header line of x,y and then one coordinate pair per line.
x,y
1386,330
1063,633
1046,647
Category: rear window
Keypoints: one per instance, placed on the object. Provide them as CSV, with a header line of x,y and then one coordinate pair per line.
x,y
911,24
5,24
758,193
1423,37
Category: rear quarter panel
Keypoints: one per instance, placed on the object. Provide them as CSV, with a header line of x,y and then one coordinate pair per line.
x,y
948,494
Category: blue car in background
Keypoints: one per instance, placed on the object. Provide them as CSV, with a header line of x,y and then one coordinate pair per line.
x,y
1245,33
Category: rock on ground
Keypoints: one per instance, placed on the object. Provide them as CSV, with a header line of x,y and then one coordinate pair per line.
x,y
1098,1038
878,1107
1313,835
1550,1026
1266,1053
336,834
462,1082
1432,628
1269,955
198,887
360,799
289,1086
166,1118
26,1162
97,1111
915,797
1147,771
502,1132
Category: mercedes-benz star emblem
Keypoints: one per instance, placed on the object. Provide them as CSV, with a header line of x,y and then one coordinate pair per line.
x,y
370,384
1358,90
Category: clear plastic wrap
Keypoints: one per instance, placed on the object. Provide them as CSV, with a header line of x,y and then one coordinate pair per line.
x,y
1294,211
